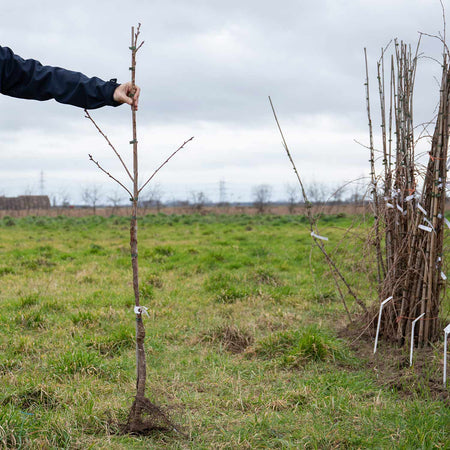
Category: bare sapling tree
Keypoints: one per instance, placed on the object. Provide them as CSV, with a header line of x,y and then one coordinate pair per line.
x,y
63,198
115,198
91,196
261,197
292,197
317,192
317,238
144,416
153,198
198,201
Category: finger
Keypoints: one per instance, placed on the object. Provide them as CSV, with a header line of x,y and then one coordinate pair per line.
x,y
121,94
125,98
136,94
137,91
128,100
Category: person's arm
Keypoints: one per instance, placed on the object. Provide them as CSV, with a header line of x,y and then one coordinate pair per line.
x,y
29,79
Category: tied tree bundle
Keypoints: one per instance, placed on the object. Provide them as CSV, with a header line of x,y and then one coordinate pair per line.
x,y
409,225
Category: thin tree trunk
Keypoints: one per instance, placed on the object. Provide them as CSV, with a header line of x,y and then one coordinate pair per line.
x,y
141,371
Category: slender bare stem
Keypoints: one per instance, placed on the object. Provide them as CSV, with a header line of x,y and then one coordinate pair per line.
x,y
164,163
88,116
313,227
109,175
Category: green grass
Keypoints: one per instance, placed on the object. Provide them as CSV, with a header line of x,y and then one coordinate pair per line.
x,y
242,339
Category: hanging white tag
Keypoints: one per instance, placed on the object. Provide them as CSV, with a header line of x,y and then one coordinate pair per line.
x,y
400,208
141,310
428,222
447,222
389,205
323,238
425,228
421,208
443,276
409,198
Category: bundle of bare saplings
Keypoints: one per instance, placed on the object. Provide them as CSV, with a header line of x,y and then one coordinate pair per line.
x,y
409,202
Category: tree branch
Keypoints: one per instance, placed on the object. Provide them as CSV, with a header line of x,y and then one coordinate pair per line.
x,y
88,116
164,163
313,227
109,175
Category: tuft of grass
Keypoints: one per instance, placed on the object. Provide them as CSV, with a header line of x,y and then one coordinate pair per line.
x,y
146,292
77,361
7,271
293,348
13,429
31,320
230,294
119,339
163,250
324,297
9,366
225,287
154,280
231,338
32,397
95,249
84,318
8,221
266,276
29,300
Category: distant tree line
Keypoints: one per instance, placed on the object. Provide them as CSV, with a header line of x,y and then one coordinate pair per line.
x,y
262,198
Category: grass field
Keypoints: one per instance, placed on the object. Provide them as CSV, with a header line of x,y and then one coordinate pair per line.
x,y
244,341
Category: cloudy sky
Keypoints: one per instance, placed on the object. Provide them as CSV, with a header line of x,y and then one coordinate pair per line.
x,y
206,70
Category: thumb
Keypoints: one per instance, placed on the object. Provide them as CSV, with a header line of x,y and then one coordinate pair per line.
x,y
127,99
121,94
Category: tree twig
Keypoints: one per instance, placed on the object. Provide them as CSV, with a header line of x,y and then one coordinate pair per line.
x,y
109,175
88,116
164,163
313,226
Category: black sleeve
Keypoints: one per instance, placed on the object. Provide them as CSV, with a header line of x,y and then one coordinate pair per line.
x,y
31,80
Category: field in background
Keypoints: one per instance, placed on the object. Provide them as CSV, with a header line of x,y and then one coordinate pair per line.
x,y
244,341
122,211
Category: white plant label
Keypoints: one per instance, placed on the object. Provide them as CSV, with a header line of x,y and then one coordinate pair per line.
x,y
379,322
323,238
425,228
421,208
412,339
428,222
141,310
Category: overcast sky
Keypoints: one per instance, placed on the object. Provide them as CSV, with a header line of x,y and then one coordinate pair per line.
x,y
205,70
